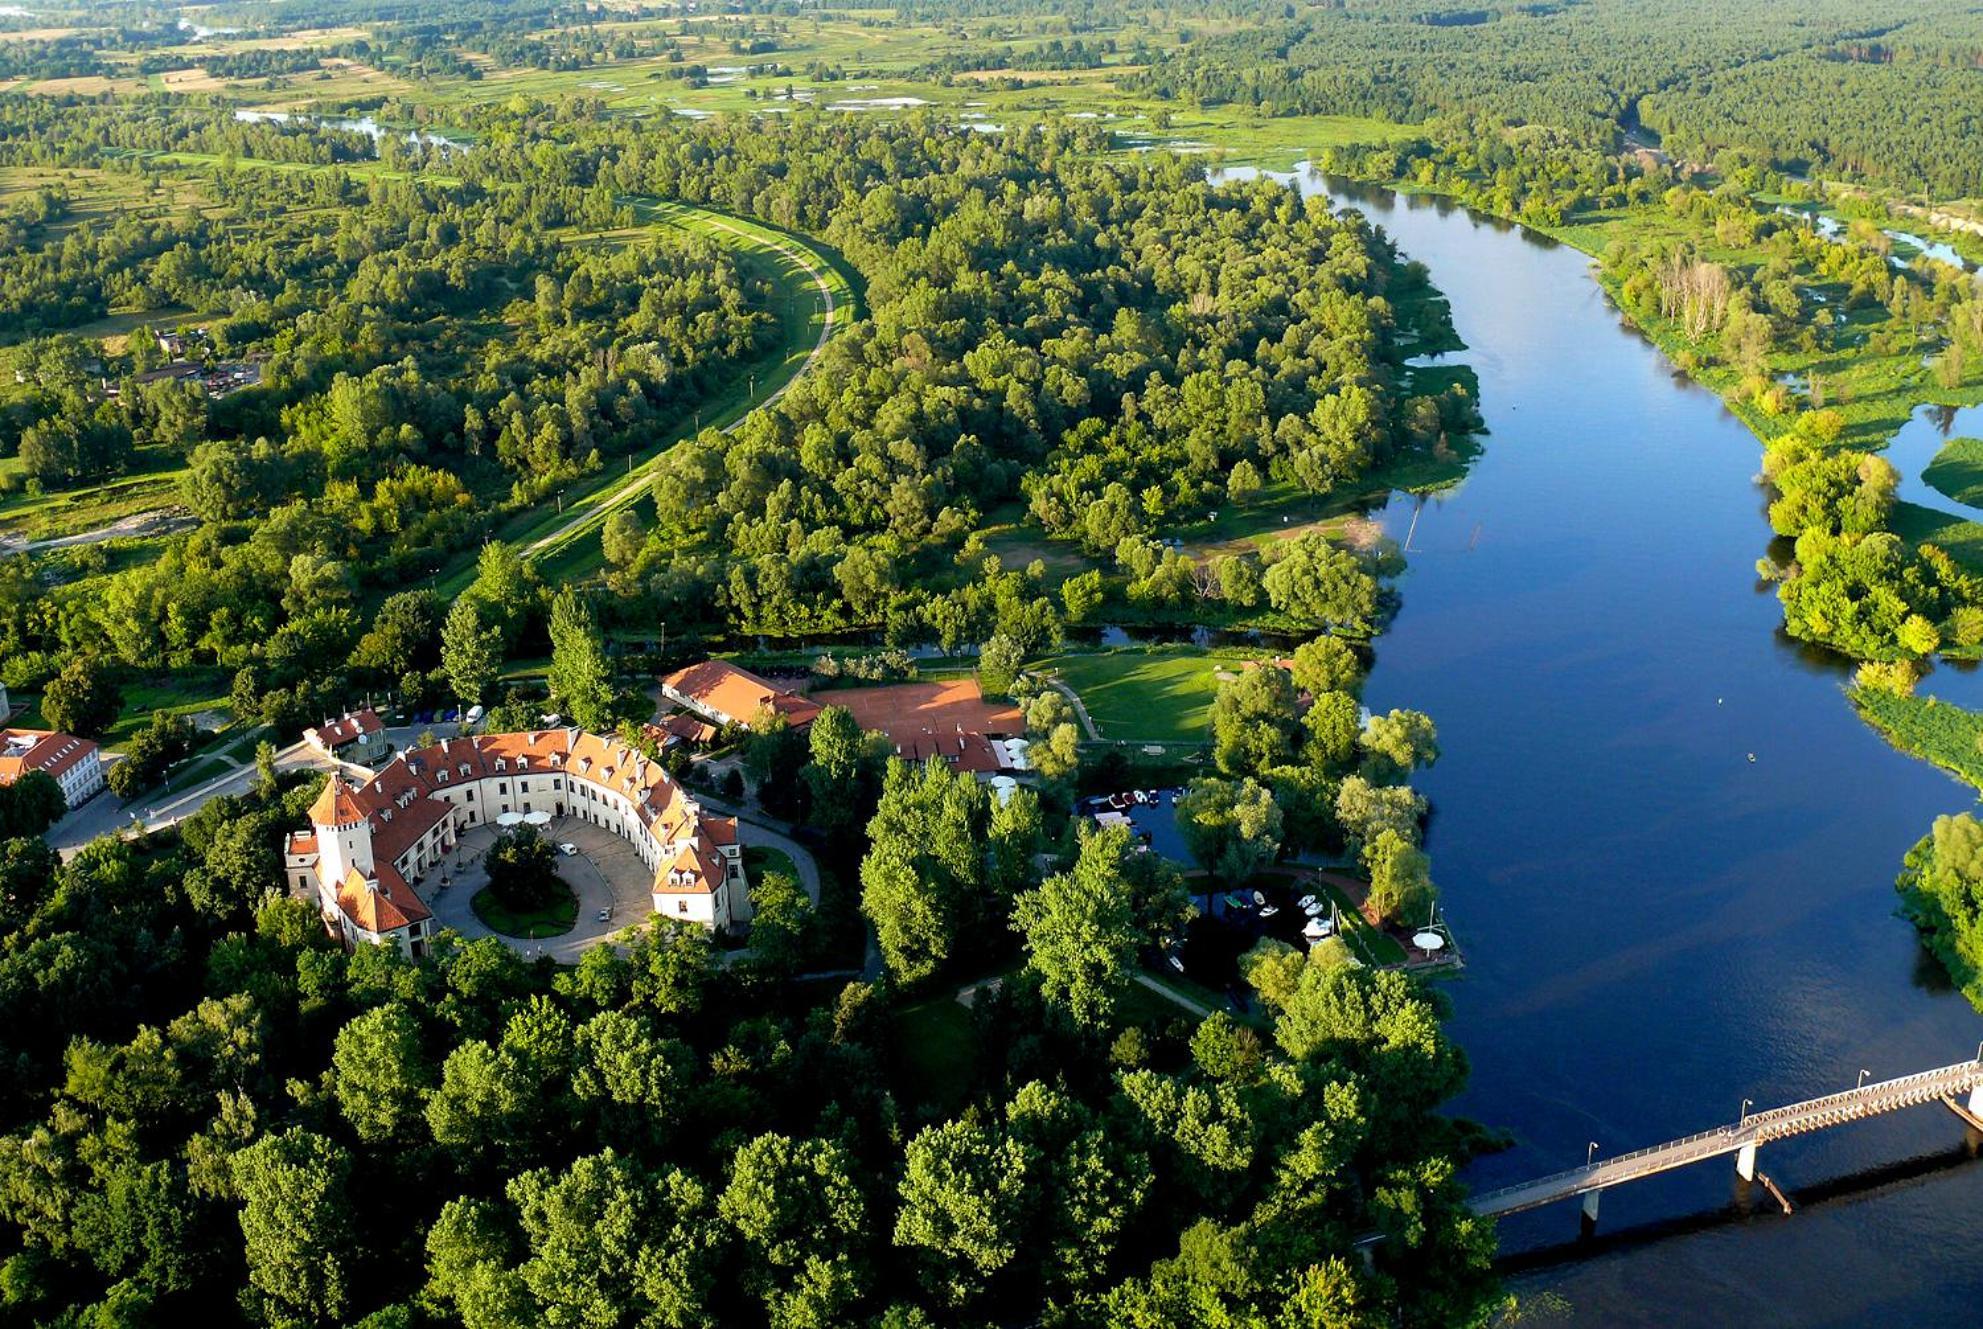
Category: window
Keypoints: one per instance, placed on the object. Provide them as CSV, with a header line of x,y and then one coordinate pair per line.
x,y
681,906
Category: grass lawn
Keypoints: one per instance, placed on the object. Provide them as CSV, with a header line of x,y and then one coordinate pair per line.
x,y
1928,728
1372,946
531,925
1958,471
759,860
197,772
937,1045
1158,695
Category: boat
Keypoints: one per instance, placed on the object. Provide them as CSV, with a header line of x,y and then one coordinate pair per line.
x,y
1269,910
1175,963
1307,903
1315,908
1260,897
1318,928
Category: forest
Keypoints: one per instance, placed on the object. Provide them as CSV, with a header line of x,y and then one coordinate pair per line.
x,y
215,1112
1883,91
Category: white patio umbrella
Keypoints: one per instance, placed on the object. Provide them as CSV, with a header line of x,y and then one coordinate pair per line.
x,y
1428,941
538,818
509,819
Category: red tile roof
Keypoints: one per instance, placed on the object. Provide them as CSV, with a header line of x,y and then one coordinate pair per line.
x,y
23,751
351,727
338,804
382,904
738,693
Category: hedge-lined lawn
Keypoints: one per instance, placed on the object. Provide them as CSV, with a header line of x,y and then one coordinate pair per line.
x,y
553,920
1928,728
1159,695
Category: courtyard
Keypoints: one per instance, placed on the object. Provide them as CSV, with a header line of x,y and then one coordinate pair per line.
x,y
605,874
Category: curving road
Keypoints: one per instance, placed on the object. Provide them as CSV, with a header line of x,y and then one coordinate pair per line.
x,y
635,483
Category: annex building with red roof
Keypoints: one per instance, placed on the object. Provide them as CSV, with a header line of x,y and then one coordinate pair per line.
x,y
728,695
372,842
357,736
76,764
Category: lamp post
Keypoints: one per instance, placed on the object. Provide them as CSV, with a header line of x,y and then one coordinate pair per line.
x,y
1745,1111
1863,1073
1590,1153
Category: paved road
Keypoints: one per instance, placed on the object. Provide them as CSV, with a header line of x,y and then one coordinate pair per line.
x,y
107,814
753,835
636,482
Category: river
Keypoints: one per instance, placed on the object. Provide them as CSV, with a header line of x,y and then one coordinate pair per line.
x,y
1658,926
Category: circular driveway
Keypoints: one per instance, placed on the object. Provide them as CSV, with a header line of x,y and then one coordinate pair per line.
x,y
605,874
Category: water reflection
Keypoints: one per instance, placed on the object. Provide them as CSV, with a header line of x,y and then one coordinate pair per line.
x,y
1658,927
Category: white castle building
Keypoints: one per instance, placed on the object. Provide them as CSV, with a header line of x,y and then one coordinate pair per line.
x,y
371,843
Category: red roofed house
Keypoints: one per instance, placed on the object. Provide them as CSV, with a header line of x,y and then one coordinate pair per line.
x,y
729,695
371,842
356,736
74,763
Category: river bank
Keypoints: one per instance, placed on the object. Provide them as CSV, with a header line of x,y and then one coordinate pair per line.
x,y
1658,926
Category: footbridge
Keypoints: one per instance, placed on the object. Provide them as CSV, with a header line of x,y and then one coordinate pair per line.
x,y
1958,1088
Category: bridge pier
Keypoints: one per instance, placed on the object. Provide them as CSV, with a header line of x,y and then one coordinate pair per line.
x,y
1745,1162
1590,1210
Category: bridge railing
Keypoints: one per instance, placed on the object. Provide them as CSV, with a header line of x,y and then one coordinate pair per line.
x,y
1572,1176
1963,1074
1733,1136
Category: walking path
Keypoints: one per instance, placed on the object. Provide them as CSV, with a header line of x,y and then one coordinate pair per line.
x,y
1080,711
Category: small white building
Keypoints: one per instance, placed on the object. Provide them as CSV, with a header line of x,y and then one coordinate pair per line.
x,y
356,736
76,764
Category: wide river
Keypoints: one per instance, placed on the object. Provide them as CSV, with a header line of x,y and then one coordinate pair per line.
x,y
1664,839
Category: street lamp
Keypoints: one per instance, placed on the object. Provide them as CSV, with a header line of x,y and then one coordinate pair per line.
x,y
1863,1073
1745,1111
1590,1153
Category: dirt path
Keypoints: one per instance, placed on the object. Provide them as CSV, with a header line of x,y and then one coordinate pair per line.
x,y
159,521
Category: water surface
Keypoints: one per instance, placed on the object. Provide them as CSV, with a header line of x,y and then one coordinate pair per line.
x,y
1665,840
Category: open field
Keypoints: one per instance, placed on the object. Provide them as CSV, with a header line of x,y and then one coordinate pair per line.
x,y
1957,471
1154,695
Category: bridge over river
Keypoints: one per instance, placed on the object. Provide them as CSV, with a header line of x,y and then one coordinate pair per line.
x,y
1958,1087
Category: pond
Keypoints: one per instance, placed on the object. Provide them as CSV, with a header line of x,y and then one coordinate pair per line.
x,y
1657,926
365,125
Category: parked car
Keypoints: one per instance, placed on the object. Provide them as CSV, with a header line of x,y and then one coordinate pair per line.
x,y
568,848
605,914
474,715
